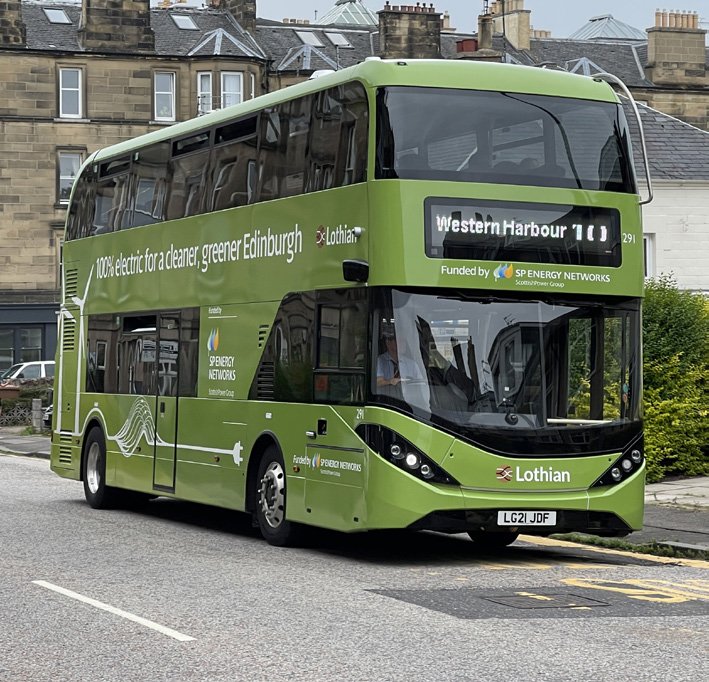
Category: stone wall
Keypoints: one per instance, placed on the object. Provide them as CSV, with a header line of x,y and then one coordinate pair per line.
x,y
118,106
116,26
688,105
12,29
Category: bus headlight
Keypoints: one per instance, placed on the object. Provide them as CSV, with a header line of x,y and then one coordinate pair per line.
x,y
626,465
402,454
412,460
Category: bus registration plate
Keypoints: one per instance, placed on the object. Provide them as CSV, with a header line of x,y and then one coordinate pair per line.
x,y
526,518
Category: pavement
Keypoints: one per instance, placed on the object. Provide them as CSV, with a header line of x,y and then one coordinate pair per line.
x,y
676,510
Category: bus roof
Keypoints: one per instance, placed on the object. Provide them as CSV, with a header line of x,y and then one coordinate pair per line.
x,y
375,72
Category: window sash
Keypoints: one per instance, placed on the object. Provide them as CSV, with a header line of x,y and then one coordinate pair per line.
x,y
164,95
232,88
204,92
70,93
68,169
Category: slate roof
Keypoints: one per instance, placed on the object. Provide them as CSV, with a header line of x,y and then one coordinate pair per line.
x,y
42,35
285,48
219,34
620,58
605,27
675,150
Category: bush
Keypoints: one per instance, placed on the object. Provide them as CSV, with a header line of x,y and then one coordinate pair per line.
x,y
676,380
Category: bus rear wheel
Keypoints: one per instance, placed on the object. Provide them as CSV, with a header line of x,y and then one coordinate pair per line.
x,y
271,501
97,493
492,539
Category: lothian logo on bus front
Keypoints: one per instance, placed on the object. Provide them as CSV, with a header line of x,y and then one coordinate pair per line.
x,y
537,475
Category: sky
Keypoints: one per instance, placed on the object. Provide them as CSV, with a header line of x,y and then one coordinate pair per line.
x,y
561,17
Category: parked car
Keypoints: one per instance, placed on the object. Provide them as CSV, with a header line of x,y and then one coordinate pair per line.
x,y
47,416
28,370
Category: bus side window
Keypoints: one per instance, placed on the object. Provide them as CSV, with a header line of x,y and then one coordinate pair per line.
x,y
188,173
113,202
233,164
102,340
150,170
189,353
81,209
342,341
272,151
324,140
352,158
297,146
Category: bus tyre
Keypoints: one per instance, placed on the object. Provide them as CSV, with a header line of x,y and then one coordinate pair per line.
x,y
97,493
271,500
492,539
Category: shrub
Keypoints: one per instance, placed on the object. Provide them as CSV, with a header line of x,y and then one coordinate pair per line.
x,y
676,379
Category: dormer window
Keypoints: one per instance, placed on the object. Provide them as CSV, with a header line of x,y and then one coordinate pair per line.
x,y
56,16
337,39
184,22
309,38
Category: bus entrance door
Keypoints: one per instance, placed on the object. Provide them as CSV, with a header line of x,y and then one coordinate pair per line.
x,y
166,417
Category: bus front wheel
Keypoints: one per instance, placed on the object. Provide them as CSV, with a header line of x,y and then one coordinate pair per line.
x,y
97,493
271,500
492,539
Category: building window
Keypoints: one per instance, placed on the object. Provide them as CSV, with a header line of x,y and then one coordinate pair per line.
x,y
67,169
164,96
338,40
56,16
309,38
31,344
232,88
649,254
184,22
70,93
204,92
253,85
7,348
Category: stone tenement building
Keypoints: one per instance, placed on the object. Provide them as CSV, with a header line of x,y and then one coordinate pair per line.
x,y
75,77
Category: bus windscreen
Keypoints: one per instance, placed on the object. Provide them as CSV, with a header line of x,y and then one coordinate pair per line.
x,y
502,138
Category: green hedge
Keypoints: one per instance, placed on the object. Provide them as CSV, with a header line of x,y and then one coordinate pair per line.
x,y
676,380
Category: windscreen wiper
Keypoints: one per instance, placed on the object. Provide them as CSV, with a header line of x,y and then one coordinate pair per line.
x,y
554,420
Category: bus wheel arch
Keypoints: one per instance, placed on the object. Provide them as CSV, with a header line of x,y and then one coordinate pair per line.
x,y
267,493
93,469
93,423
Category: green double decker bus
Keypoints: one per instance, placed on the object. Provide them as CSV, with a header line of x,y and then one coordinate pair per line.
x,y
403,295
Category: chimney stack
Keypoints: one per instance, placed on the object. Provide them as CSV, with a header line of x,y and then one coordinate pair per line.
x,y
517,24
116,26
244,11
676,53
409,32
480,49
13,32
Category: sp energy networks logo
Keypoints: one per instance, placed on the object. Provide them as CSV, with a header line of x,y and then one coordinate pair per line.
x,y
536,475
505,271
331,467
221,367
213,340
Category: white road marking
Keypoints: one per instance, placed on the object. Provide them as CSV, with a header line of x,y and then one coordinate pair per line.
x,y
118,612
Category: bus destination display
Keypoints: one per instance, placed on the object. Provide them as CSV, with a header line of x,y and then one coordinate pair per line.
x,y
524,232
